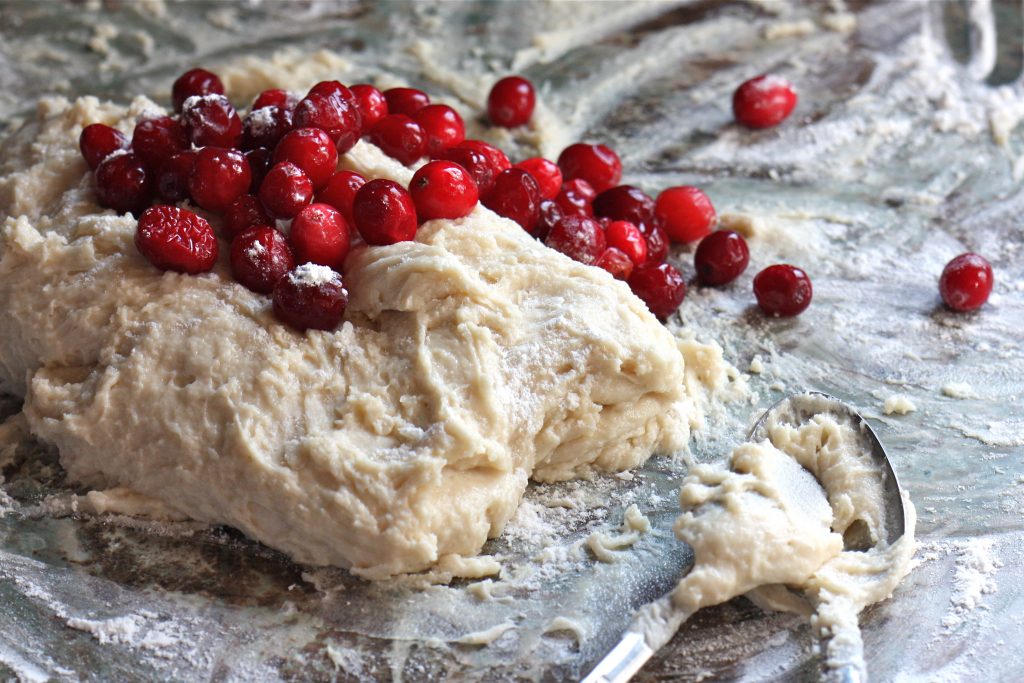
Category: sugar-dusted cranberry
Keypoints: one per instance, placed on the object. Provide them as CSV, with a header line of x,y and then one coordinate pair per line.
x,y
399,137
384,213
597,164
371,104
575,197
260,160
172,178
478,166
660,286
442,125
515,195
260,256
628,239
511,101
764,101
335,113
782,290
219,177
123,183
244,213
311,297
406,101
320,234
98,141
340,192
265,126
549,215
176,239
686,213
546,173
275,97
625,203
157,139
330,89
195,83
311,150
285,190
721,257
966,282
616,262
578,237
211,121
443,189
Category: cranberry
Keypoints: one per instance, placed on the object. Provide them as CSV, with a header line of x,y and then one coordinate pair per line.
x,y
176,239
966,282
596,164
443,189
195,83
320,235
260,257
311,297
625,203
686,213
123,183
476,163
260,160
511,102
660,286
550,215
244,213
211,121
721,257
98,141
335,113
764,101
442,125
331,89
782,290
172,178
384,213
546,173
157,139
657,242
219,177
371,104
616,262
340,192
285,190
628,239
264,127
579,238
275,97
406,101
515,195
399,137
575,198
497,159
311,150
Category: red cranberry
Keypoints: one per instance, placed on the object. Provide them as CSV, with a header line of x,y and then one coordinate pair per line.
x,y
157,139
285,190
331,89
260,160
275,97
660,286
550,215
384,213
966,282
474,162
546,173
515,195
625,203
578,237
123,183
195,83
320,235
371,104
596,164
399,137
172,178
721,257
616,262
406,101
443,189
511,102
340,192
311,150
497,159
686,213
442,125
657,242
628,239
211,121
260,257
176,239
244,213
264,127
311,297
98,141
334,113
219,177
764,101
575,198
782,290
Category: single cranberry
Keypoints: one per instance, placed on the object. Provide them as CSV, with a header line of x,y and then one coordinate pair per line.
x,y
176,239
616,262
495,157
219,177
721,257
260,256
172,178
578,237
515,195
123,183
275,97
331,89
575,197
443,126
406,101
657,242
546,173
211,121
264,127
628,239
685,212
157,139
782,290
311,150
285,190
596,164
966,282
260,160
335,113
195,83
384,213
340,192
764,101
311,297
98,141
321,235
511,101
244,213
550,215
625,203
476,163
399,137
660,286
443,189
371,104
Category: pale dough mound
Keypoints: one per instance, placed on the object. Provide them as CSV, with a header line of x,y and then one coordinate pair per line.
x,y
471,360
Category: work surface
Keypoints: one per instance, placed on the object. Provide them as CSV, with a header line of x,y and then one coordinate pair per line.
x,y
894,162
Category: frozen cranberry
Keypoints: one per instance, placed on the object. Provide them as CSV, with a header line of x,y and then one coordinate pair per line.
x,y
260,160
546,173
579,238
686,213
195,83
511,101
628,239
721,257
176,239
966,282
219,177
782,290
474,162
311,150
406,101
660,286
550,215
616,262
340,192
399,137
596,164
515,195
98,141
123,183
311,297
275,97
157,139
443,189
625,203
657,242
260,257
211,121
172,178
285,190
575,197
321,235
334,113
443,126
265,126
384,213
244,213
371,104
764,101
